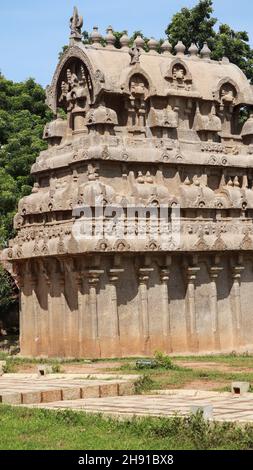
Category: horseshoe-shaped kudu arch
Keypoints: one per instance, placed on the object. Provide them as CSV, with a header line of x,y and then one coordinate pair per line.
x,y
138,234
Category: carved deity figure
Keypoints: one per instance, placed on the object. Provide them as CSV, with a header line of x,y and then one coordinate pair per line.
x,y
178,75
179,78
75,91
136,104
228,96
135,54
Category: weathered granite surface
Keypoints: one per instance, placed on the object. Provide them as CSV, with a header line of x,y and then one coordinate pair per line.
x,y
154,132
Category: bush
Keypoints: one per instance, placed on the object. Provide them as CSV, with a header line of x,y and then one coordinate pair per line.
x,y
143,384
8,293
163,361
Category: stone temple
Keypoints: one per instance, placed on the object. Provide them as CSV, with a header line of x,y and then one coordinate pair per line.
x,y
138,234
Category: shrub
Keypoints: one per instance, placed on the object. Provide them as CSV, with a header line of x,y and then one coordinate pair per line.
x,y
143,384
163,361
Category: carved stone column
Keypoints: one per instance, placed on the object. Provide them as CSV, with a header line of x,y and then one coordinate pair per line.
x,y
214,272
144,274
82,309
113,280
191,275
51,339
61,281
93,281
236,276
20,283
164,276
36,333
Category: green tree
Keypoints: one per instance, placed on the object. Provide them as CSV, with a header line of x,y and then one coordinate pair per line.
x,y
8,293
197,25
193,25
23,114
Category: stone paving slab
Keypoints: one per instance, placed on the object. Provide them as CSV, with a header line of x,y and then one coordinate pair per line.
x,y
226,407
29,388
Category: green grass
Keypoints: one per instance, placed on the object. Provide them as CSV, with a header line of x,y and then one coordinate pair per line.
x,y
233,359
168,374
27,429
178,377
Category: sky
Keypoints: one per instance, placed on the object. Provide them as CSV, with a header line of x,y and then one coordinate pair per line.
x,y
33,32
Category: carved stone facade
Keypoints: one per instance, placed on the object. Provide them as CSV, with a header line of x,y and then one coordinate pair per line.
x,y
143,130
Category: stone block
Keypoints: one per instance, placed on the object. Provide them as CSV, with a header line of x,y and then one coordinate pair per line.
x,y
29,398
51,395
109,390
239,388
10,398
126,389
44,369
207,410
71,393
91,391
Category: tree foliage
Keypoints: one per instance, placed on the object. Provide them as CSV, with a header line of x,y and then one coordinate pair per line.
x,y
198,25
23,114
8,293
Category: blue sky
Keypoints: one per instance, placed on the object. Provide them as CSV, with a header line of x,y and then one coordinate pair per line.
x,y
33,32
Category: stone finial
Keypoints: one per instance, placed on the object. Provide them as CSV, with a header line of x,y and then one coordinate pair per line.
x,y
124,41
236,182
166,47
193,50
153,45
180,48
110,38
205,52
225,60
76,24
96,37
139,42
187,181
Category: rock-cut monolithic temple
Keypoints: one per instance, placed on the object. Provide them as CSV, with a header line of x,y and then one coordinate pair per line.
x,y
138,234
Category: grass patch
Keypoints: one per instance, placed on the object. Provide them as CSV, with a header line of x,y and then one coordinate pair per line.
x,y
233,359
178,377
144,384
28,429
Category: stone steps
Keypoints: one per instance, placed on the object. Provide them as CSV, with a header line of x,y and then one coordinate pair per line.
x,y
33,390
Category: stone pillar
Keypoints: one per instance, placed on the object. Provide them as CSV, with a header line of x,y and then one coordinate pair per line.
x,y
214,272
27,312
191,274
82,314
166,326
93,281
36,330
62,316
20,282
113,281
144,274
236,299
51,320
